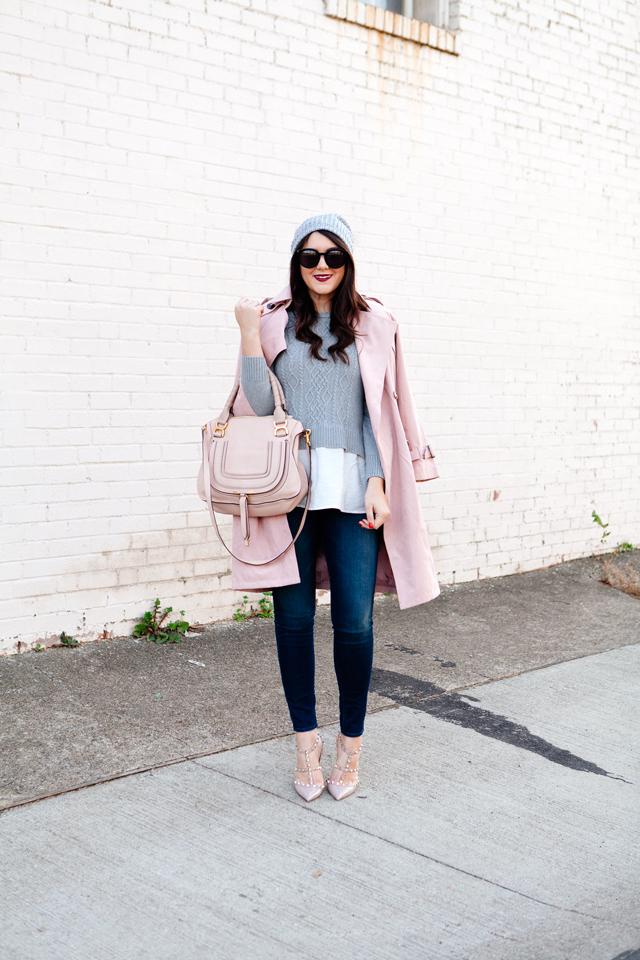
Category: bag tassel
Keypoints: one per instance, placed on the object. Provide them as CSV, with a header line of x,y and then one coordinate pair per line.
x,y
244,519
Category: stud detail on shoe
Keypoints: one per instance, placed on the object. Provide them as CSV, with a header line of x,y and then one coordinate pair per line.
x,y
307,789
338,789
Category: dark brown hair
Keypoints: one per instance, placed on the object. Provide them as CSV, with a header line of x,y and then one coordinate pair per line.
x,y
345,306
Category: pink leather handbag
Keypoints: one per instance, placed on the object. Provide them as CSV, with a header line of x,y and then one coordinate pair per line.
x,y
251,466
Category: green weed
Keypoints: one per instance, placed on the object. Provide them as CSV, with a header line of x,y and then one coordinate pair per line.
x,y
248,612
623,547
603,526
152,626
68,641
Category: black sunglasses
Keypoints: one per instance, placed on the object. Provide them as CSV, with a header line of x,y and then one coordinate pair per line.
x,y
333,258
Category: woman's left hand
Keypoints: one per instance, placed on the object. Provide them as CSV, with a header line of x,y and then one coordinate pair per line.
x,y
376,504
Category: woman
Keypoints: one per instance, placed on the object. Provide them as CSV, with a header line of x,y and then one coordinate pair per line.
x,y
338,359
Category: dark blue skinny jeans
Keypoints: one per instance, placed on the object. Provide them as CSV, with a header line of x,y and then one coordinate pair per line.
x,y
352,556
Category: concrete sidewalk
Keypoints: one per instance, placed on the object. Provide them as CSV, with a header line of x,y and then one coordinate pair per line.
x,y
458,845
497,819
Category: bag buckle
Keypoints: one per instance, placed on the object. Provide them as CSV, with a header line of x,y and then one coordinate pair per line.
x,y
221,427
281,425
307,435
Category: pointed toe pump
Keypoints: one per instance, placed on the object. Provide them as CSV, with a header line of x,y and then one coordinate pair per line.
x,y
338,789
306,788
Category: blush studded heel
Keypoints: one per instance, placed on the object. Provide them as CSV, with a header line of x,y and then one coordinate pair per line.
x,y
338,789
307,789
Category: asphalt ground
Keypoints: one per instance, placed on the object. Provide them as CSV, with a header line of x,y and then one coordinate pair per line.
x,y
71,717
497,817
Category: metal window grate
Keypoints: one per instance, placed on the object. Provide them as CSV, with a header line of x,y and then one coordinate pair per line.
x,y
429,11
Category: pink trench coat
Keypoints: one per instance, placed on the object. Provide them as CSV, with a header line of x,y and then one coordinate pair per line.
x,y
405,564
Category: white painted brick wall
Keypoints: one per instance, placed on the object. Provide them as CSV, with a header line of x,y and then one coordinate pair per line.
x,y
156,159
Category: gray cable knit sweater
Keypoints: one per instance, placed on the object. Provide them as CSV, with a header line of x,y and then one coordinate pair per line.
x,y
327,398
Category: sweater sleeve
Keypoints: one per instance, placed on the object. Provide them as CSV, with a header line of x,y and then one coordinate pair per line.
x,y
373,465
256,385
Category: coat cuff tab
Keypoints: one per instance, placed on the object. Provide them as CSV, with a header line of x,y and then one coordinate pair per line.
x,y
422,453
424,465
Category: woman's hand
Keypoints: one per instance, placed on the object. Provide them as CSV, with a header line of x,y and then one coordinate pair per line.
x,y
376,504
248,314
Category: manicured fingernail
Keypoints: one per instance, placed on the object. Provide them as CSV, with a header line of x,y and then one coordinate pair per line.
x,y
370,526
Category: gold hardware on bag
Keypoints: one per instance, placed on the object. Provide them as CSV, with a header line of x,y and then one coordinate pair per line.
x,y
280,425
221,427
204,428
307,434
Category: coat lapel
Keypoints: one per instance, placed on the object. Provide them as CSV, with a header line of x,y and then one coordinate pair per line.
x,y
375,345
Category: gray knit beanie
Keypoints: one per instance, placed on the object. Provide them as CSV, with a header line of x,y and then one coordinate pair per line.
x,y
324,221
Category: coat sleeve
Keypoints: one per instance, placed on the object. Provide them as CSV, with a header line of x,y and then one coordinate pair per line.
x,y
424,465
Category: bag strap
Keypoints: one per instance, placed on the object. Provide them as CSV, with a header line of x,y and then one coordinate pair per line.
x,y
207,487
279,402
